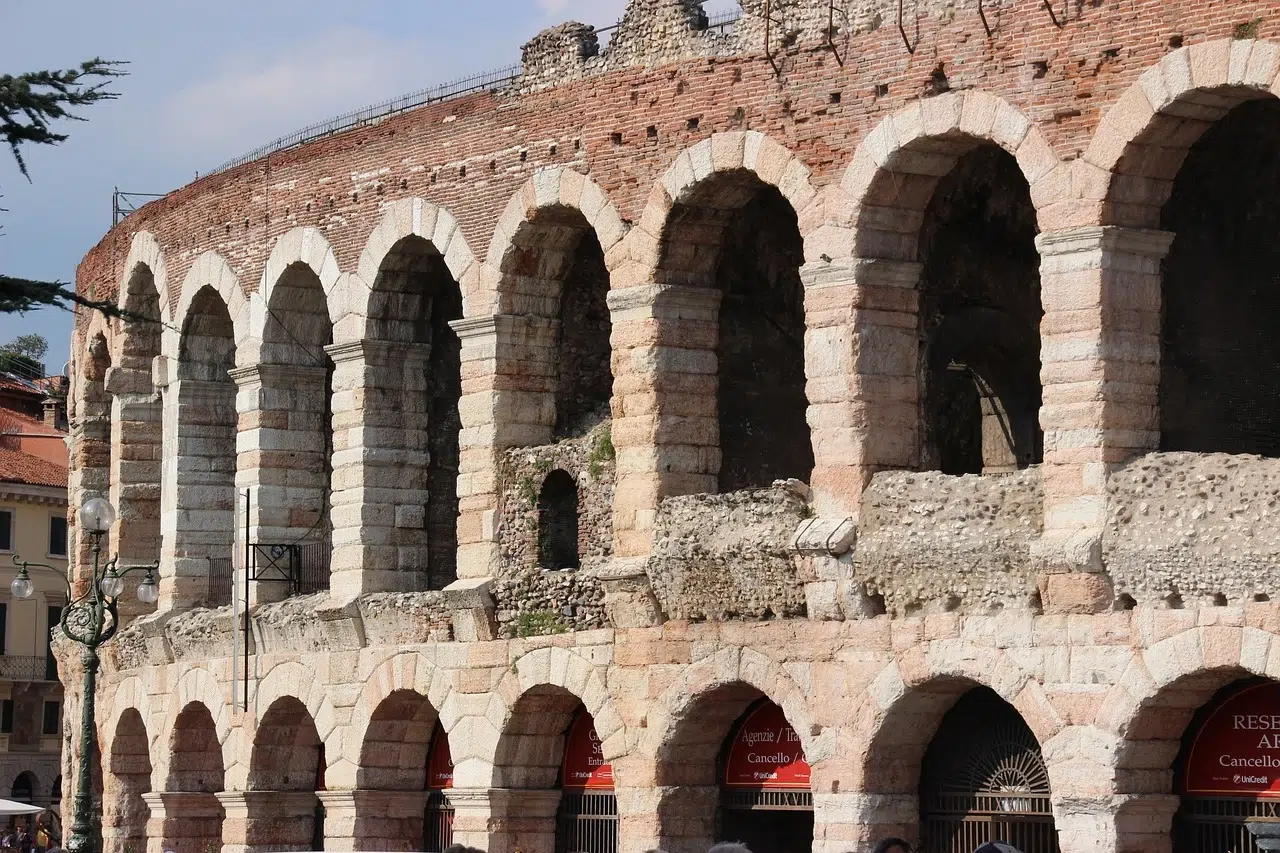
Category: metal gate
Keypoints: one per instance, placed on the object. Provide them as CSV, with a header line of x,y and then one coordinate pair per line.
x,y
983,779
1218,824
587,822
437,823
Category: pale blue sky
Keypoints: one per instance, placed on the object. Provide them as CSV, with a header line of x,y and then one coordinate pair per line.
x,y
211,81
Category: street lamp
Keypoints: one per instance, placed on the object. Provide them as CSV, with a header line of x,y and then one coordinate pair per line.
x,y
90,619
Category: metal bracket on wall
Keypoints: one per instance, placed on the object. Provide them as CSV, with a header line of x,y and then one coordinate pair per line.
x,y
831,30
768,36
1053,16
983,15
902,31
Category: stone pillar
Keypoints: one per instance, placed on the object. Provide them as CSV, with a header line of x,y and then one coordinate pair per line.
x,y
89,469
280,459
373,820
665,427
183,822
857,820
261,821
1100,371
124,821
1125,823
504,820
137,427
380,457
861,366
197,518
508,400
686,817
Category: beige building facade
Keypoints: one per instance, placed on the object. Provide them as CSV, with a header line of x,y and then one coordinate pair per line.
x,y
911,398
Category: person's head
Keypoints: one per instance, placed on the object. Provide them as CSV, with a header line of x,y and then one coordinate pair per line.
x,y
461,848
730,847
892,845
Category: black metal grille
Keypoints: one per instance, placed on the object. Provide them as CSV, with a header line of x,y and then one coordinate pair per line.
x,y
302,565
437,823
1218,824
26,668
220,581
587,822
774,801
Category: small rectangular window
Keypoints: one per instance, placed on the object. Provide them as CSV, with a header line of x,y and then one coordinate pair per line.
x,y
6,717
57,536
6,530
52,718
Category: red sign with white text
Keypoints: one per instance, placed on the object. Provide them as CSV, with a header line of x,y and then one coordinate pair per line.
x,y
584,765
439,761
1237,750
766,753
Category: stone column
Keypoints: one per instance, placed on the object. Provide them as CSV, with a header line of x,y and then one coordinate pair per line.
x,y
1125,823
861,366
198,513
280,459
504,820
1100,371
508,400
373,820
137,432
857,821
686,817
261,821
665,426
183,822
89,470
380,457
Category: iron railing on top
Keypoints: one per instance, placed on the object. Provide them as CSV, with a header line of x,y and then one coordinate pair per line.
x,y
494,80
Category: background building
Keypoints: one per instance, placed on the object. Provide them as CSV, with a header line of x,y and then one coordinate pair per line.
x,y
846,420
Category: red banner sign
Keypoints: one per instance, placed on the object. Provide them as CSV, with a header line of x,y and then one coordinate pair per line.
x,y
1237,750
584,765
766,753
439,761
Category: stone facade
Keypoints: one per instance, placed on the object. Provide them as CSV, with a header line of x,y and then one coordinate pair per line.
x,y
881,306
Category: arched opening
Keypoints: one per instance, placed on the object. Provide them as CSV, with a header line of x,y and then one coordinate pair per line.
x,y
136,459
291,489
125,813
732,769
396,756
979,319
415,298
738,238
550,753
765,798
193,816
1220,324
983,778
24,788
554,275
558,522
90,468
437,817
204,475
288,758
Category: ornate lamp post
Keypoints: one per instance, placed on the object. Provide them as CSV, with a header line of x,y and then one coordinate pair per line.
x,y
90,620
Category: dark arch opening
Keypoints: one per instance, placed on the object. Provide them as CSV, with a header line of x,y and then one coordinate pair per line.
x,y
24,787
558,522
1220,324
394,754
741,236
296,510
983,778
415,298
288,755
125,813
980,319
195,765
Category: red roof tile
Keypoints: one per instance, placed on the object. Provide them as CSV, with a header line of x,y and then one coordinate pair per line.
x,y
19,467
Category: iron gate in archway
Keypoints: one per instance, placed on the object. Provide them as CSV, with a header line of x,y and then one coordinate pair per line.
x,y
983,779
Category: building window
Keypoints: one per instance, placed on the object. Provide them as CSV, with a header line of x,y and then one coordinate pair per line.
x,y
6,530
52,718
57,536
6,717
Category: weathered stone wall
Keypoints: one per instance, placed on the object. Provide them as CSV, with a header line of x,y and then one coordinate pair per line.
x,y
932,543
727,556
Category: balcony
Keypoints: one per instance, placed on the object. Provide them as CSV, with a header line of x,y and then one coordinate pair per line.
x,y
26,668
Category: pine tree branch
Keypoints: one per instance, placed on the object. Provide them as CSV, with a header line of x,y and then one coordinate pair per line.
x,y
24,294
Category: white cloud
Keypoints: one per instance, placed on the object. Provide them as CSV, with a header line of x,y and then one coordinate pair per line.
x,y
250,100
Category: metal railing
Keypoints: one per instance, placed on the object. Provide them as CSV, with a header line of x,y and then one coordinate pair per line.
x,y
302,565
25,668
437,823
220,581
494,80
587,822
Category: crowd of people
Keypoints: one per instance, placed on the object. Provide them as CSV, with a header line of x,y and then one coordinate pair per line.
x,y
22,838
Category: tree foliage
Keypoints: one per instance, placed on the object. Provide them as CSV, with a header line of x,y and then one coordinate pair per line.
x,y
30,104
32,346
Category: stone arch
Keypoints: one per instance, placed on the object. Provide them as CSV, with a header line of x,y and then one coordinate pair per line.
x,y
127,778
26,783
403,673
91,424
434,224
212,270
197,687
307,246
1144,136
145,251
533,705
293,680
